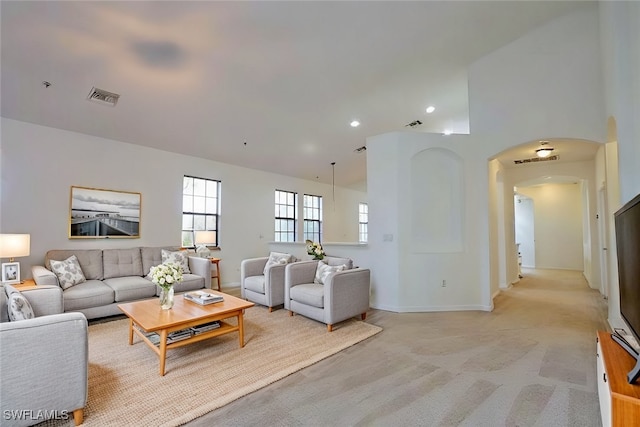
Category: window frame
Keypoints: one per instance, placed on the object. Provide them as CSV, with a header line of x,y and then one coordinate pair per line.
x,y
211,219
316,234
290,232
363,226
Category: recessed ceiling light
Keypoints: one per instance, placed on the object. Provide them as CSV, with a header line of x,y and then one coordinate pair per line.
x,y
355,124
431,109
447,132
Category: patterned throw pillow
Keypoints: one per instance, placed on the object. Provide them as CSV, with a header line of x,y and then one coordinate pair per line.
x,y
178,257
277,258
19,307
68,271
323,270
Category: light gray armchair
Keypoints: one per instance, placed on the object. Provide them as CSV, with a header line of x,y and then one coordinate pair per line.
x,y
344,294
43,361
256,286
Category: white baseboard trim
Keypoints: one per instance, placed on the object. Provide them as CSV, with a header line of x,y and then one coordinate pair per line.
x,y
432,309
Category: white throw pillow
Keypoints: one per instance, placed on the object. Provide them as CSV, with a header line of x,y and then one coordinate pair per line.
x,y
19,307
277,258
68,271
323,270
179,257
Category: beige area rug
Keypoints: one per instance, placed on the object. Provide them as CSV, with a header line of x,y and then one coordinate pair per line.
x,y
126,389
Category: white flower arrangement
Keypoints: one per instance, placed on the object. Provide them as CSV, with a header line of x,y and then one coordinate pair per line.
x,y
314,249
166,275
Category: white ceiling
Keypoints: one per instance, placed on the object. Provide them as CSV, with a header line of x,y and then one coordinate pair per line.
x,y
202,78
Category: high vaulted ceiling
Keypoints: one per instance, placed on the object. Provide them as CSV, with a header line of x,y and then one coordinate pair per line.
x,y
264,85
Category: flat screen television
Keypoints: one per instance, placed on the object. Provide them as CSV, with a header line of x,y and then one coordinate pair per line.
x,y
627,225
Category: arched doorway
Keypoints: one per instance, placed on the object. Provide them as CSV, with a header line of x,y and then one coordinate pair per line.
x,y
572,163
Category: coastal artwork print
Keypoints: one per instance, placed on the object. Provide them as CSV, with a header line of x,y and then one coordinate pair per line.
x,y
96,214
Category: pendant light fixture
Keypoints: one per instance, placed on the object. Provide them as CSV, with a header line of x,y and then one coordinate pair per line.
x,y
333,183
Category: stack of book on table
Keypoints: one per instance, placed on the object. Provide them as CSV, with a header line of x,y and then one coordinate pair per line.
x,y
203,297
205,327
183,334
171,338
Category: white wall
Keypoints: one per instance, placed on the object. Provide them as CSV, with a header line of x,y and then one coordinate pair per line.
x,y
557,225
414,282
497,225
620,39
40,164
382,187
546,84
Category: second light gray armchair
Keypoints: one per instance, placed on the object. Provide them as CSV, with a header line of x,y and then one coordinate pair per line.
x,y
342,295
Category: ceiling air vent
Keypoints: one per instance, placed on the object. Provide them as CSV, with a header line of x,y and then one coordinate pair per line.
x,y
103,97
536,160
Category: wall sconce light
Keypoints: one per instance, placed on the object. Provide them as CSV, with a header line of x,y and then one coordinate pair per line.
x,y
13,246
544,150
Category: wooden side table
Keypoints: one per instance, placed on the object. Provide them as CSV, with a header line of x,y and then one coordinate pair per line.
x,y
25,285
216,275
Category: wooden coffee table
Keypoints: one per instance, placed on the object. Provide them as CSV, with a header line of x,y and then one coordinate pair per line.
x,y
146,316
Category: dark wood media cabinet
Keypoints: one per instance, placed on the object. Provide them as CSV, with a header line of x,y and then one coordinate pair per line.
x,y
619,400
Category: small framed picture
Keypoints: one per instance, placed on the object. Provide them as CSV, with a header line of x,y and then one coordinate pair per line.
x,y
11,272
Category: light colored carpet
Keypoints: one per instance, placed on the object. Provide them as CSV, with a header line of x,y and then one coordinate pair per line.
x,y
530,362
126,389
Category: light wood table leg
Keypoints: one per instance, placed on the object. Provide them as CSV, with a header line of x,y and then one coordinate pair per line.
x,y
78,416
130,332
163,350
216,262
241,328
219,275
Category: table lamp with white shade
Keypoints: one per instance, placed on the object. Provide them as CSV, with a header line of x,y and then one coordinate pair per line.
x,y
202,239
13,246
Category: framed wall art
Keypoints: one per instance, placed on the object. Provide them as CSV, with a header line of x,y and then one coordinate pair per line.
x,y
95,213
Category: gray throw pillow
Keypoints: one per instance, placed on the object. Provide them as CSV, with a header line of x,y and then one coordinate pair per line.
x,y
19,307
68,271
323,270
178,257
276,258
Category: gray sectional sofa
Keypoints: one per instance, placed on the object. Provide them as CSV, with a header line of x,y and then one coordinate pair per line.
x,y
114,276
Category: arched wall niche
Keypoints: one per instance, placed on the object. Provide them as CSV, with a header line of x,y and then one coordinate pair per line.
x,y
437,201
